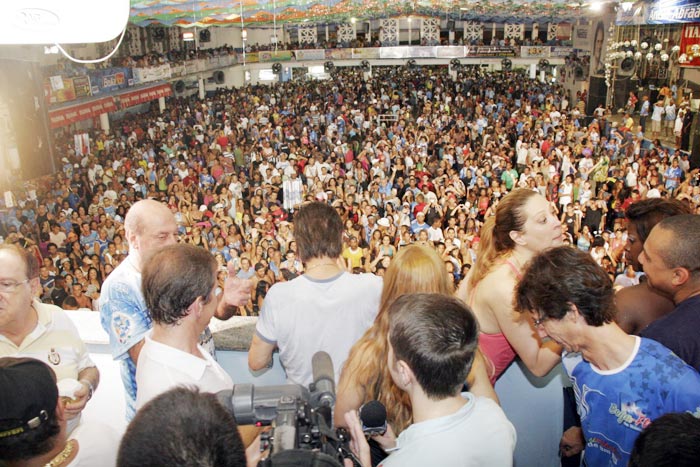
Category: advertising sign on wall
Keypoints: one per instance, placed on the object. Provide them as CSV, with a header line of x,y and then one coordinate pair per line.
x,y
582,37
659,12
690,45
534,51
110,79
81,85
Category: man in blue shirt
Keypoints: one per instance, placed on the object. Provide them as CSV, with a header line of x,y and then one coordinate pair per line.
x,y
644,112
149,226
673,175
88,238
621,382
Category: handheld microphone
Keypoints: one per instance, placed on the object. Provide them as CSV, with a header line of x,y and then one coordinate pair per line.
x,y
323,393
373,418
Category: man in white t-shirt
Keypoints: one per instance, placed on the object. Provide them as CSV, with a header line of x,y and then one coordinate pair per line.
x,y
432,342
325,309
179,283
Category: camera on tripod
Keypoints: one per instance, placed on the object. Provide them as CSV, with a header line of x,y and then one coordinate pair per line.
x,y
301,419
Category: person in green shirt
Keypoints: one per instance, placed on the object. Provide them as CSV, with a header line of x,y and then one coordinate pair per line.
x,y
509,176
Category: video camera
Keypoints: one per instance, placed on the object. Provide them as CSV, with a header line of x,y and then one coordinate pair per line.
x,y
301,418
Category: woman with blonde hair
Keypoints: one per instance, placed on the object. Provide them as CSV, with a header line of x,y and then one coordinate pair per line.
x,y
365,375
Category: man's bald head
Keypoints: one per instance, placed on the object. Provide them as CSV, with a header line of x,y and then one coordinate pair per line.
x,y
150,226
140,212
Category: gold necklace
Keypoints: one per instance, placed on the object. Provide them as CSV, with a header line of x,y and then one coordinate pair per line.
x,y
319,265
62,456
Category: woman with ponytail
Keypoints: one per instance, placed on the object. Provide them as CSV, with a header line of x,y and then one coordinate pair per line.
x,y
524,225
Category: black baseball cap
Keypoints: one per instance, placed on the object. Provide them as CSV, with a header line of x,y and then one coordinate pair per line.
x,y
29,395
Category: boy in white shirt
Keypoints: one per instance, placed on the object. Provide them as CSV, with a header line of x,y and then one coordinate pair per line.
x,y
432,342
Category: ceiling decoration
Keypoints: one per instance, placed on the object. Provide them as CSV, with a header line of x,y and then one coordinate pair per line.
x,y
188,13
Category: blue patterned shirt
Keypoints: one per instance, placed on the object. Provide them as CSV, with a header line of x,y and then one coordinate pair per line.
x,y
616,405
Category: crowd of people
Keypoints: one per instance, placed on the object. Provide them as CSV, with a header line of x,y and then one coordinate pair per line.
x,y
234,167
412,181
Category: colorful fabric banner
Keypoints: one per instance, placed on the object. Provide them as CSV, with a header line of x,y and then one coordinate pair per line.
x,y
81,85
82,144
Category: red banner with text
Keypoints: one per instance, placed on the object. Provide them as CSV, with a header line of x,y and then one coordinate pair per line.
x,y
76,113
689,54
130,99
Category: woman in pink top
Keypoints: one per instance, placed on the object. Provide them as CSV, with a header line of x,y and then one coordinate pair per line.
x,y
524,225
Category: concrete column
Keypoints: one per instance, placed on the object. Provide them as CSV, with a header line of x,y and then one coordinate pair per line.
x,y
104,122
200,81
161,104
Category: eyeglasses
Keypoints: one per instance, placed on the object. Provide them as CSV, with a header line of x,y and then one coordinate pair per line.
x,y
539,321
10,286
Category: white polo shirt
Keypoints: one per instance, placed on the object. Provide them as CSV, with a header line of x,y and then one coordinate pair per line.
x,y
55,341
161,368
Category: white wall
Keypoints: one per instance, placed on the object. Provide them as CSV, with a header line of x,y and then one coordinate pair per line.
x,y
223,36
232,36
263,36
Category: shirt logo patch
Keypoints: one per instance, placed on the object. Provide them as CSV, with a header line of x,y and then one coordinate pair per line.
x,y
54,357
121,326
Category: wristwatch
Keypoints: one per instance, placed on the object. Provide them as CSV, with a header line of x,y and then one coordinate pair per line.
x,y
91,388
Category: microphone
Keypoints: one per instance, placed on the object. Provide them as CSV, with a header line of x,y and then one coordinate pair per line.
x,y
323,393
373,418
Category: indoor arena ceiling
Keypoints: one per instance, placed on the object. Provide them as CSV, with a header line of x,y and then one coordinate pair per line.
x,y
188,13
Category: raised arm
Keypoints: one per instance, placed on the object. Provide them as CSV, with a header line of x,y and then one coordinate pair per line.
x,y
539,357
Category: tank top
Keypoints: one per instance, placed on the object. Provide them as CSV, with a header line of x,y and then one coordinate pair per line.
x,y
496,349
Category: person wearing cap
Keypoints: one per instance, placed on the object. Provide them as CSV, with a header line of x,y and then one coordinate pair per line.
x,y
419,223
29,328
149,226
34,422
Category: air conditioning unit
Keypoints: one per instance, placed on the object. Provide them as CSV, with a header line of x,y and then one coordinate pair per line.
x,y
217,77
159,34
181,86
